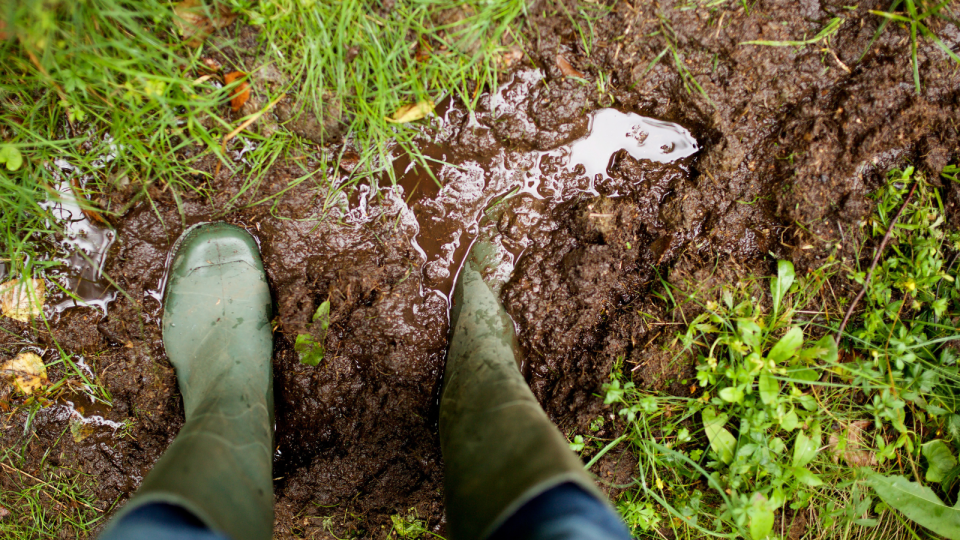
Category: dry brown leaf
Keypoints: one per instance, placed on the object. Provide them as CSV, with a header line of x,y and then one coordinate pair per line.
x,y
852,451
567,69
423,51
509,58
22,299
241,93
211,64
196,21
79,429
349,161
411,112
27,371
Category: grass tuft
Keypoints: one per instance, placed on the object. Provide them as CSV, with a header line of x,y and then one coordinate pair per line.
x,y
789,432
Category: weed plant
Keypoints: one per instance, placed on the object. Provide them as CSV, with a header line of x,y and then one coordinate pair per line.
x,y
787,433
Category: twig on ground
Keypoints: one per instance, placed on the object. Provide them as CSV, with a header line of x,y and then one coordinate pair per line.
x,y
873,265
837,59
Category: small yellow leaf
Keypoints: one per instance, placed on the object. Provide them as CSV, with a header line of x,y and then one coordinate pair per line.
x,y
22,299
27,371
80,430
411,112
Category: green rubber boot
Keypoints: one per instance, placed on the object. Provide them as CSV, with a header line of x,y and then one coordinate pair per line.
x,y
500,449
216,331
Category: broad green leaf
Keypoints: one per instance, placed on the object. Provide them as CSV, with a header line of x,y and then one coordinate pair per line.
x,y
805,374
806,476
750,333
824,349
11,155
918,503
781,284
940,459
828,343
721,441
323,314
804,449
788,346
311,352
769,388
731,394
761,517
790,421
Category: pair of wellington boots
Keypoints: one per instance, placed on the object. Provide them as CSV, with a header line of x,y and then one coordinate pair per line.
x,y
500,450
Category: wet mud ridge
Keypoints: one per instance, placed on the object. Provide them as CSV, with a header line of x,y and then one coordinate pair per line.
x,y
592,192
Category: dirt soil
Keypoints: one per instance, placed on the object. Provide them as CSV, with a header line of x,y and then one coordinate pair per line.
x,y
792,141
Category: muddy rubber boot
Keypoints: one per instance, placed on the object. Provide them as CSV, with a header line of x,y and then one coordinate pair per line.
x,y
500,449
216,331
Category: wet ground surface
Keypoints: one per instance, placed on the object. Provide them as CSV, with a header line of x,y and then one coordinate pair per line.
x,y
593,190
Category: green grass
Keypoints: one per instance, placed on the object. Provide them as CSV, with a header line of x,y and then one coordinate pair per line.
x,y
109,87
785,425
55,503
914,16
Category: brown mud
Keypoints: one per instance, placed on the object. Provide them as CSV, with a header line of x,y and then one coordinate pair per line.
x,y
786,145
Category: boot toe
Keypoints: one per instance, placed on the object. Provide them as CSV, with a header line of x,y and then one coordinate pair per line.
x,y
215,244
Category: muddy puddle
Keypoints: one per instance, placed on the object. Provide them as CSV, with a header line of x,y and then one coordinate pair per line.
x,y
461,199
82,251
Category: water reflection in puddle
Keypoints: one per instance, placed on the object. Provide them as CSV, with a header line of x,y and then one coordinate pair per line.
x,y
642,138
447,211
84,249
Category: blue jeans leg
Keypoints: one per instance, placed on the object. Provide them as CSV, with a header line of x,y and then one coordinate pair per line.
x,y
565,512
160,521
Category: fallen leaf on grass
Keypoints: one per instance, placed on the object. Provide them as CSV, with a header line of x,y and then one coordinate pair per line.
x,y
423,51
197,21
3,511
211,64
411,112
27,371
567,69
509,58
851,448
22,299
241,93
